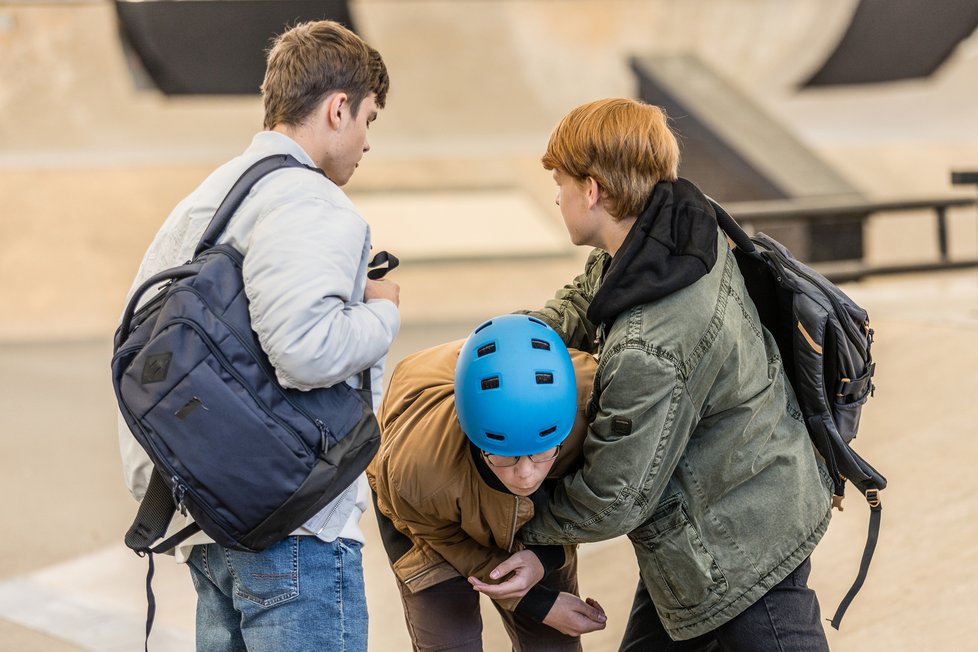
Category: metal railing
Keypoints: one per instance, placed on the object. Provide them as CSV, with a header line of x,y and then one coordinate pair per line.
x,y
810,211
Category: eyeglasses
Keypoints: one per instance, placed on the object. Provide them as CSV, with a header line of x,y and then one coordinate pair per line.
x,y
510,460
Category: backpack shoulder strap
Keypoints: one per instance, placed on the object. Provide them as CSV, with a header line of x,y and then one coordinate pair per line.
x,y
875,514
731,228
239,191
155,511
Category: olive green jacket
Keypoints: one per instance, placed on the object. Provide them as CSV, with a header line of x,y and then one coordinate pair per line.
x,y
696,449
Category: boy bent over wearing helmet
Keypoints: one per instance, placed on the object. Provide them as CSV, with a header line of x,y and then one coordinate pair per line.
x,y
470,431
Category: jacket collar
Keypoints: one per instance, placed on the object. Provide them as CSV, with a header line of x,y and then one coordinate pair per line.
x,y
672,244
267,143
485,472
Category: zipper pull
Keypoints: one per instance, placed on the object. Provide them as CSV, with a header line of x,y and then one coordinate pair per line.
x,y
599,336
322,436
179,490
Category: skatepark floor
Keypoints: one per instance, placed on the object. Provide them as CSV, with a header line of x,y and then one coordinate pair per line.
x,y
68,583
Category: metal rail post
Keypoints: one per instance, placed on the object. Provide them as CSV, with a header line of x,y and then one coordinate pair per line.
x,y
960,178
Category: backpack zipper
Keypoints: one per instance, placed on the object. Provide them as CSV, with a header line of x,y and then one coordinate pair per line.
x,y
226,365
180,489
320,425
322,435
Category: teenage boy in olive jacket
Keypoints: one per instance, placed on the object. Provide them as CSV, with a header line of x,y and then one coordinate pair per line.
x,y
696,448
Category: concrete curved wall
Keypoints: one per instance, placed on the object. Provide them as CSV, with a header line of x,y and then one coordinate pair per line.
x,y
90,165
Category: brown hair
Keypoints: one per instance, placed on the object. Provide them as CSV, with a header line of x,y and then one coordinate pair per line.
x,y
624,145
314,59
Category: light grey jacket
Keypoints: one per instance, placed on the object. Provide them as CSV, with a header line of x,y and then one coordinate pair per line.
x,y
697,451
306,250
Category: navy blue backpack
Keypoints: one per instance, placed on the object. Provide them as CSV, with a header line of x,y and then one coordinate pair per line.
x,y
249,460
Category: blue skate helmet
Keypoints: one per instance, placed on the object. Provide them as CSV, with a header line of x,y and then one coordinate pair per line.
x,y
515,391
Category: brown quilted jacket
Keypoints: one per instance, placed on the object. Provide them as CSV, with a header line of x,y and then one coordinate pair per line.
x,y
427,483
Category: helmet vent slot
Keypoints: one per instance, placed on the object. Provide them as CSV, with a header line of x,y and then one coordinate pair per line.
x,y
540,344
548,431
485,325
492,435
490,383
537,321
486,350
545,378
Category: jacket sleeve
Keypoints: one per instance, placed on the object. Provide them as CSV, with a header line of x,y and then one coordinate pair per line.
x,y
631,450
300,274
567,311
446,537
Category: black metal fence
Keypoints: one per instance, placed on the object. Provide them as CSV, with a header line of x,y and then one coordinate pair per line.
x,y
822,211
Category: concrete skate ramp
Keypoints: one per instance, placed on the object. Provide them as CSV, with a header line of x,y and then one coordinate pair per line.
x,y
730,145
212,47
890,40
740,153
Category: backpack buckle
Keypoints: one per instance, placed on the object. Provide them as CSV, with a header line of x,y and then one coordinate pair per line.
x,y
873,497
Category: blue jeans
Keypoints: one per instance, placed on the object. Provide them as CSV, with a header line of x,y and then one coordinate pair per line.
x,y
785,619
300,594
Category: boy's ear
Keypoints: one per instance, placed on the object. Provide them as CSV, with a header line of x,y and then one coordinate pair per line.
x,y
592,191
335,106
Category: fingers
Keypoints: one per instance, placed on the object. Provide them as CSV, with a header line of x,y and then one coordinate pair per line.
x,y
589,621
596,609
586,625
505,567
591,613
525,570
574,617
382,289
509,589
588,618
577,624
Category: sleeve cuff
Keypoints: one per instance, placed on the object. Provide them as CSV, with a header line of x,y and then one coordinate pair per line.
x,y
552,557
387,312
537,602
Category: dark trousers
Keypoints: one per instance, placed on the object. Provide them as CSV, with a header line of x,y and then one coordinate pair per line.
x,y
446,616
785,619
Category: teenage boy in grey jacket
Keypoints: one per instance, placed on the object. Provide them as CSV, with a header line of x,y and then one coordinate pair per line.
x,y
319,319
696,448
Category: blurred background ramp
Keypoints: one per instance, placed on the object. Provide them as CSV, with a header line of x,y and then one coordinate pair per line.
x,y
738,152
894,40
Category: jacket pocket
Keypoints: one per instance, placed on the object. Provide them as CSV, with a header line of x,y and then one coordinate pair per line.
x,y
681,575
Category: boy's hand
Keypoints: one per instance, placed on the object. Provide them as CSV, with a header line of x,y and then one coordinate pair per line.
x,y
572,616
382,289
526,569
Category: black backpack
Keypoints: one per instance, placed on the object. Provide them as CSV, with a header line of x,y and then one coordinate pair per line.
x,y
249,460
825,341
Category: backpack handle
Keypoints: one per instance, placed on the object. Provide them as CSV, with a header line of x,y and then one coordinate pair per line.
x,y
239,191
732,229
166,275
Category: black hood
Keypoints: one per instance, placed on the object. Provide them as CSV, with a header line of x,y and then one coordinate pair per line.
x,y
672,244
